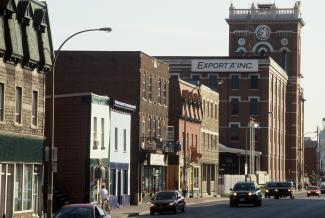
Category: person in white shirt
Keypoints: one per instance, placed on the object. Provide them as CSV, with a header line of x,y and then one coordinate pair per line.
x,y
104,197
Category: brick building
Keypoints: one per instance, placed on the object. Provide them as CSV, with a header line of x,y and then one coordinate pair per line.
x,y
209,140
248,88
266,30
185,114
311,159
135,78
25,57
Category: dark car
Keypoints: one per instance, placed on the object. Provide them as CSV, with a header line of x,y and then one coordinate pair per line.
x,y
322,189
81,211
245,193
270,189
313,190
167,201
284,189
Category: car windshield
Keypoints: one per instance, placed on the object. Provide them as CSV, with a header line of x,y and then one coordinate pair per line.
x,y
166,196
244,186
312,187
74,212
284,184
271,185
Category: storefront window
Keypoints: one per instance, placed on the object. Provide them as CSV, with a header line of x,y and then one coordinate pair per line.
x,y
19,187
27,196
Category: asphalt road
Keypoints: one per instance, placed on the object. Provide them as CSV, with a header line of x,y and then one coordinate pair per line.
x,y
301,207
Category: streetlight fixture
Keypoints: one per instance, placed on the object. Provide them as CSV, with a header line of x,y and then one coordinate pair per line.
x,y
51,150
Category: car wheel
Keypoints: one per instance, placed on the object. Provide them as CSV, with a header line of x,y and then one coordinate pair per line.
x,y
184,208
260,203
256,203
152,212
308,196
291,197
176,209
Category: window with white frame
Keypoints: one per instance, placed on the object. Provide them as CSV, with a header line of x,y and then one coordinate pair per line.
x,y
165,93
235,80
234,105
150,87
124,140
27,193
95,139
159,91
19,188
1,101
144,86
102,133
116,139
19,93
234,131
253,105
34,108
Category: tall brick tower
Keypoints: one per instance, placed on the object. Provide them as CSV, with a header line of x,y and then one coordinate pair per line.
x,y
265,30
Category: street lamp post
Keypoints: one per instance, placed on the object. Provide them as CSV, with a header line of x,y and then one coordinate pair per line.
x,y
252,125
51,160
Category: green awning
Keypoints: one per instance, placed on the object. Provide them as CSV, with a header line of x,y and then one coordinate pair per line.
x,y
15,148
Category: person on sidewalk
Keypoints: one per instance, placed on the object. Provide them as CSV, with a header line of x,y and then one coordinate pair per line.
x,y
104,198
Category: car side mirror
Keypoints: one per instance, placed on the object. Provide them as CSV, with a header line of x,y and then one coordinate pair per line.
x,y
258,189
230,189
179,197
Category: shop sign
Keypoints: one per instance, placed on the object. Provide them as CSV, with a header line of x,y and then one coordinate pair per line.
x,y
157,159
225,65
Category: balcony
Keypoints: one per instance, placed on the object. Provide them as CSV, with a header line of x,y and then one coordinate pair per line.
x,y
171,147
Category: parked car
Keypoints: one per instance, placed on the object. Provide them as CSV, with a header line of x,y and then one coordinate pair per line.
x,y
81,211
322,189
270,189
245,193
167,201
284,189
313,190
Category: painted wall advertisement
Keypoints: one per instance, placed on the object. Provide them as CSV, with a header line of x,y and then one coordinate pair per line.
x,y
225,65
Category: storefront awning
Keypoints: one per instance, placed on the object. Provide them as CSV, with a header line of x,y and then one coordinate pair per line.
x,y
225,149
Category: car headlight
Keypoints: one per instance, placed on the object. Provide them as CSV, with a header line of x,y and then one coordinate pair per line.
x,y
172,203
308,192
266,191
151,205
276,190
289,190
249,193
234,194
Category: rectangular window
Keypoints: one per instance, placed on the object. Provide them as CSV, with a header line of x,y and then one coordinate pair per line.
x,y
213,81
253,106
165,94
125,182
254,82
116,139
18,187
103,133
211,110
95,142
144,86
234,102
2,101
124,140
143,128
159,91
18,104
234,82
158,129
28,179
234,132
150,88
203,139
113,182
216,111
34,108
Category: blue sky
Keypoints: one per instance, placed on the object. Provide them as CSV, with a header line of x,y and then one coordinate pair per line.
x,y
184,27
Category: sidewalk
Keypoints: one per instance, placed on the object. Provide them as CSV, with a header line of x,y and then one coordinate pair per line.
x,y
143,208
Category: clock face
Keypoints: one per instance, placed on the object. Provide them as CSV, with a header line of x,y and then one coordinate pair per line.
x,y
241,41
263,32
284,41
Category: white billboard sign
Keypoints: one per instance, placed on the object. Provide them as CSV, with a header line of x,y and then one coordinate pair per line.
x,y
225,65
157,159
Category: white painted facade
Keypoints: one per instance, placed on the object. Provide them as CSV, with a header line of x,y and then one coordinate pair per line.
x,y
120,149
100,131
